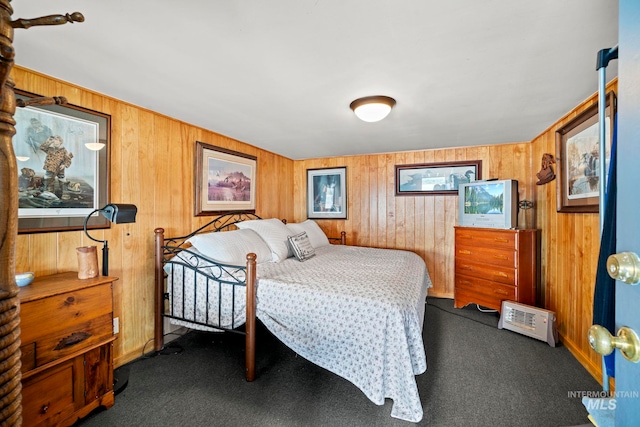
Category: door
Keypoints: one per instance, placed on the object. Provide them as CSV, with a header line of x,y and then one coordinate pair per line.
x,y
627,385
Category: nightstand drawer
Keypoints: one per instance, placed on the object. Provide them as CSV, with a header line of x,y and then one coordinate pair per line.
x,y
66,323
50,397
68,341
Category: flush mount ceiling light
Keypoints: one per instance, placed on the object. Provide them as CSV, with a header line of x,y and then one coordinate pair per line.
x,y
95,146
372,108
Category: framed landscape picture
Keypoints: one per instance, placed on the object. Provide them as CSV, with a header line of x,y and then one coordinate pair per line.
x,y
578,159
224,180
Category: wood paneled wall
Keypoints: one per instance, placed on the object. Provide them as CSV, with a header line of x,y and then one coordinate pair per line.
x,y
570,246
569,243
423,224
152,166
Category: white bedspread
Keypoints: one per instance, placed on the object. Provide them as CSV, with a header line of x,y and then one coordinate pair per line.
x,y
357,312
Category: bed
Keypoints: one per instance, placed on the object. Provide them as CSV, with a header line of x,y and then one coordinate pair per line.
x,y
355,311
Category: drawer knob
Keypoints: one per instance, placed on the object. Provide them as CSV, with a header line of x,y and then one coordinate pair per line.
x,y
44,409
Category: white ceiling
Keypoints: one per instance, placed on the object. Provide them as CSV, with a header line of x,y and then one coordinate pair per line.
x,y
281,74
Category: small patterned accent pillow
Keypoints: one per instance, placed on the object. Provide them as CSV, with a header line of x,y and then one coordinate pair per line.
x,y
301,246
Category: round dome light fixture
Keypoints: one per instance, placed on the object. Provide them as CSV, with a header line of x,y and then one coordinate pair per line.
x,y
372,108
95,146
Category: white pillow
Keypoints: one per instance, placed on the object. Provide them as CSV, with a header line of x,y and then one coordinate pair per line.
x,y
231,247
313,230
301,246
274,232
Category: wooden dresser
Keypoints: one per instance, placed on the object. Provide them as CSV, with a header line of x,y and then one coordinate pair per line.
x,y
66,343
492,265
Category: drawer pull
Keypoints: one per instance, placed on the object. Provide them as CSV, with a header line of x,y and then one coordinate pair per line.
x,y
72,339
466,267
500,274
501,291
500,256
44,409
501,240
464,251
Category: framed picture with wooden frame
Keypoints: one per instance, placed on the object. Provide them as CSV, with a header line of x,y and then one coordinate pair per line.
x,y
62,152
578,159
225,180
436,178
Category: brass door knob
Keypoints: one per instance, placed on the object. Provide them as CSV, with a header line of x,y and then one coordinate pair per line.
x,y
626,341
625,267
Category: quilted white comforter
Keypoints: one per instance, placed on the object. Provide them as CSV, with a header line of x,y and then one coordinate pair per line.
x,y
355,311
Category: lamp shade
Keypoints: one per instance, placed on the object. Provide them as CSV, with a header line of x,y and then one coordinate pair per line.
x,y
120,213
372,108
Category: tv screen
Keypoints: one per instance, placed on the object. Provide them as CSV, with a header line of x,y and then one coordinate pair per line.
x,y
491,204
484,199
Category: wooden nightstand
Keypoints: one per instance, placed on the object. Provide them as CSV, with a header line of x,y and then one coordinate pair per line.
x,y
66,343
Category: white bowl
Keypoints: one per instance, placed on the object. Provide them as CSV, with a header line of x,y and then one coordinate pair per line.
x,y
24,279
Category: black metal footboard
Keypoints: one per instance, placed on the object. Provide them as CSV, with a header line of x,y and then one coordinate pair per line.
x,y
197,290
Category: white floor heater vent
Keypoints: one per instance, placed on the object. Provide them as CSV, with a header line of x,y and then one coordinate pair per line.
x,y
530,321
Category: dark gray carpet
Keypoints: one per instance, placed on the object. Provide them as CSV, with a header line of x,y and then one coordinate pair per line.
x,y
477,375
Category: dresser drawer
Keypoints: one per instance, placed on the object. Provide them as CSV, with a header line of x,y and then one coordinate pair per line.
x,y
503,257
463,297
485,287
492,273
480,238
65,323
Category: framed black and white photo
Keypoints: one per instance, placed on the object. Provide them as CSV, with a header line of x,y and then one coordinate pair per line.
x,y
327,193
62,153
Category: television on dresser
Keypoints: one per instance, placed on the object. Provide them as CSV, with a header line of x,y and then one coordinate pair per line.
x,y
488,204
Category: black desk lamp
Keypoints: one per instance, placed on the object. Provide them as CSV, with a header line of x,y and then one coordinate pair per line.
x,y
118,214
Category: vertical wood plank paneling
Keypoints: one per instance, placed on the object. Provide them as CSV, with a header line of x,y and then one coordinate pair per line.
x,y
372,206
145,143
152,166
381,190
423,224
569,254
